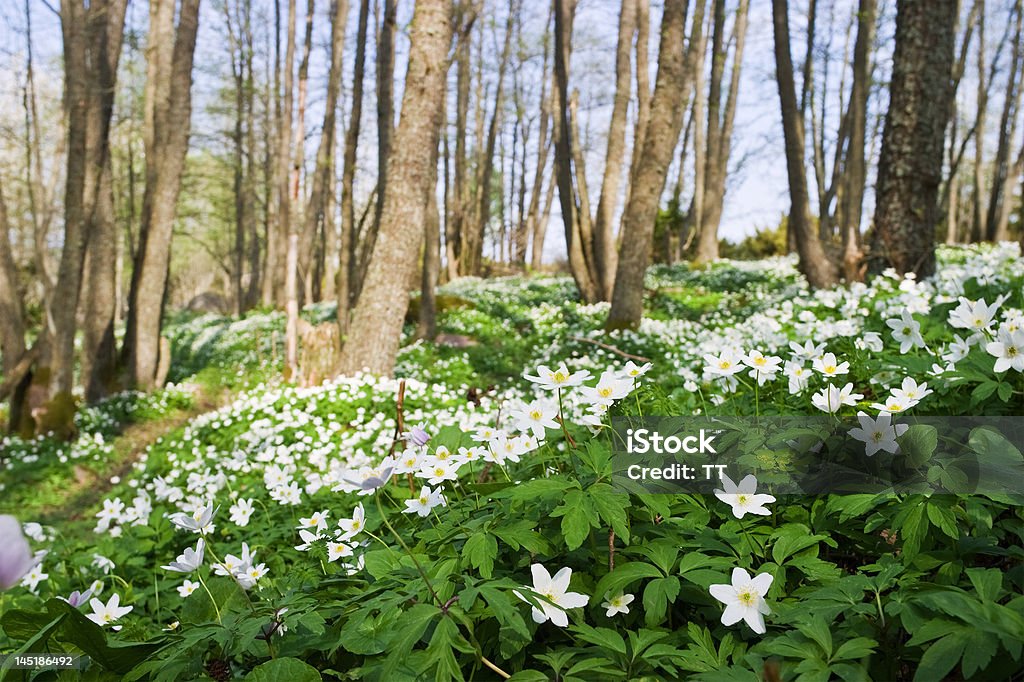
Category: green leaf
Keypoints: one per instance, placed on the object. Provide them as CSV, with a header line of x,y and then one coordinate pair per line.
x,y
790,539
481,550
578,516
1005,391
978,653
818,630
283,670
983,391
944,519
858,647
658,594
850,506
987,581
445,638
538,488
611,507
913,530
605,638
940,658
503,609
412,624
919,443
365,635
520,533
624,574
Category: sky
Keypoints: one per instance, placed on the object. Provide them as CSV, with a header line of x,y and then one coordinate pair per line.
x,y
757,188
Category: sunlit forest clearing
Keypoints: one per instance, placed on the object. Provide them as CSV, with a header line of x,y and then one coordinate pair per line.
x,y
501,339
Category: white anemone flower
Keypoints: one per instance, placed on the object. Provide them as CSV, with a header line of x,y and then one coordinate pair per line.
x,y
744,599
743,498
555,597
878,434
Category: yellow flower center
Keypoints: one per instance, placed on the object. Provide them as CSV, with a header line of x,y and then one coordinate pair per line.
x,y
829,369
747,597
724,364
604,391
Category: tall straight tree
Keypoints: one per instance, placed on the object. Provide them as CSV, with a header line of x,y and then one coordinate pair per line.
x,y
385,131
105,26
347,247
15,358
317,218
377,321
659,143
997,217
814,263
910,168
604,234
721,116
571,179
855,180
91,35
167,115
291,278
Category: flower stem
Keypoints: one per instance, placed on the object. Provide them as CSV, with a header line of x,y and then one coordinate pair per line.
x,y
408,551
208,594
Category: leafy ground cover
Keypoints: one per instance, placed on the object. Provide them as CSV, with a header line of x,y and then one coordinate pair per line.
x,y
460,522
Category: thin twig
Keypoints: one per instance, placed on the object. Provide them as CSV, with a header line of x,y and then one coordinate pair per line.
x,y
400,420
611,549
613,349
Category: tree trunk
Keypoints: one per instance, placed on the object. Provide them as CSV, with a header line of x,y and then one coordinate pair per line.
x,y
472,255
377,322
720,125
666,121
385,130
426,327
169,84
910,167
12,325
317,219
578,265
348,212
856,165
997,216
814,263
455,223
540,230
643,92
981,106
604,234
92,44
